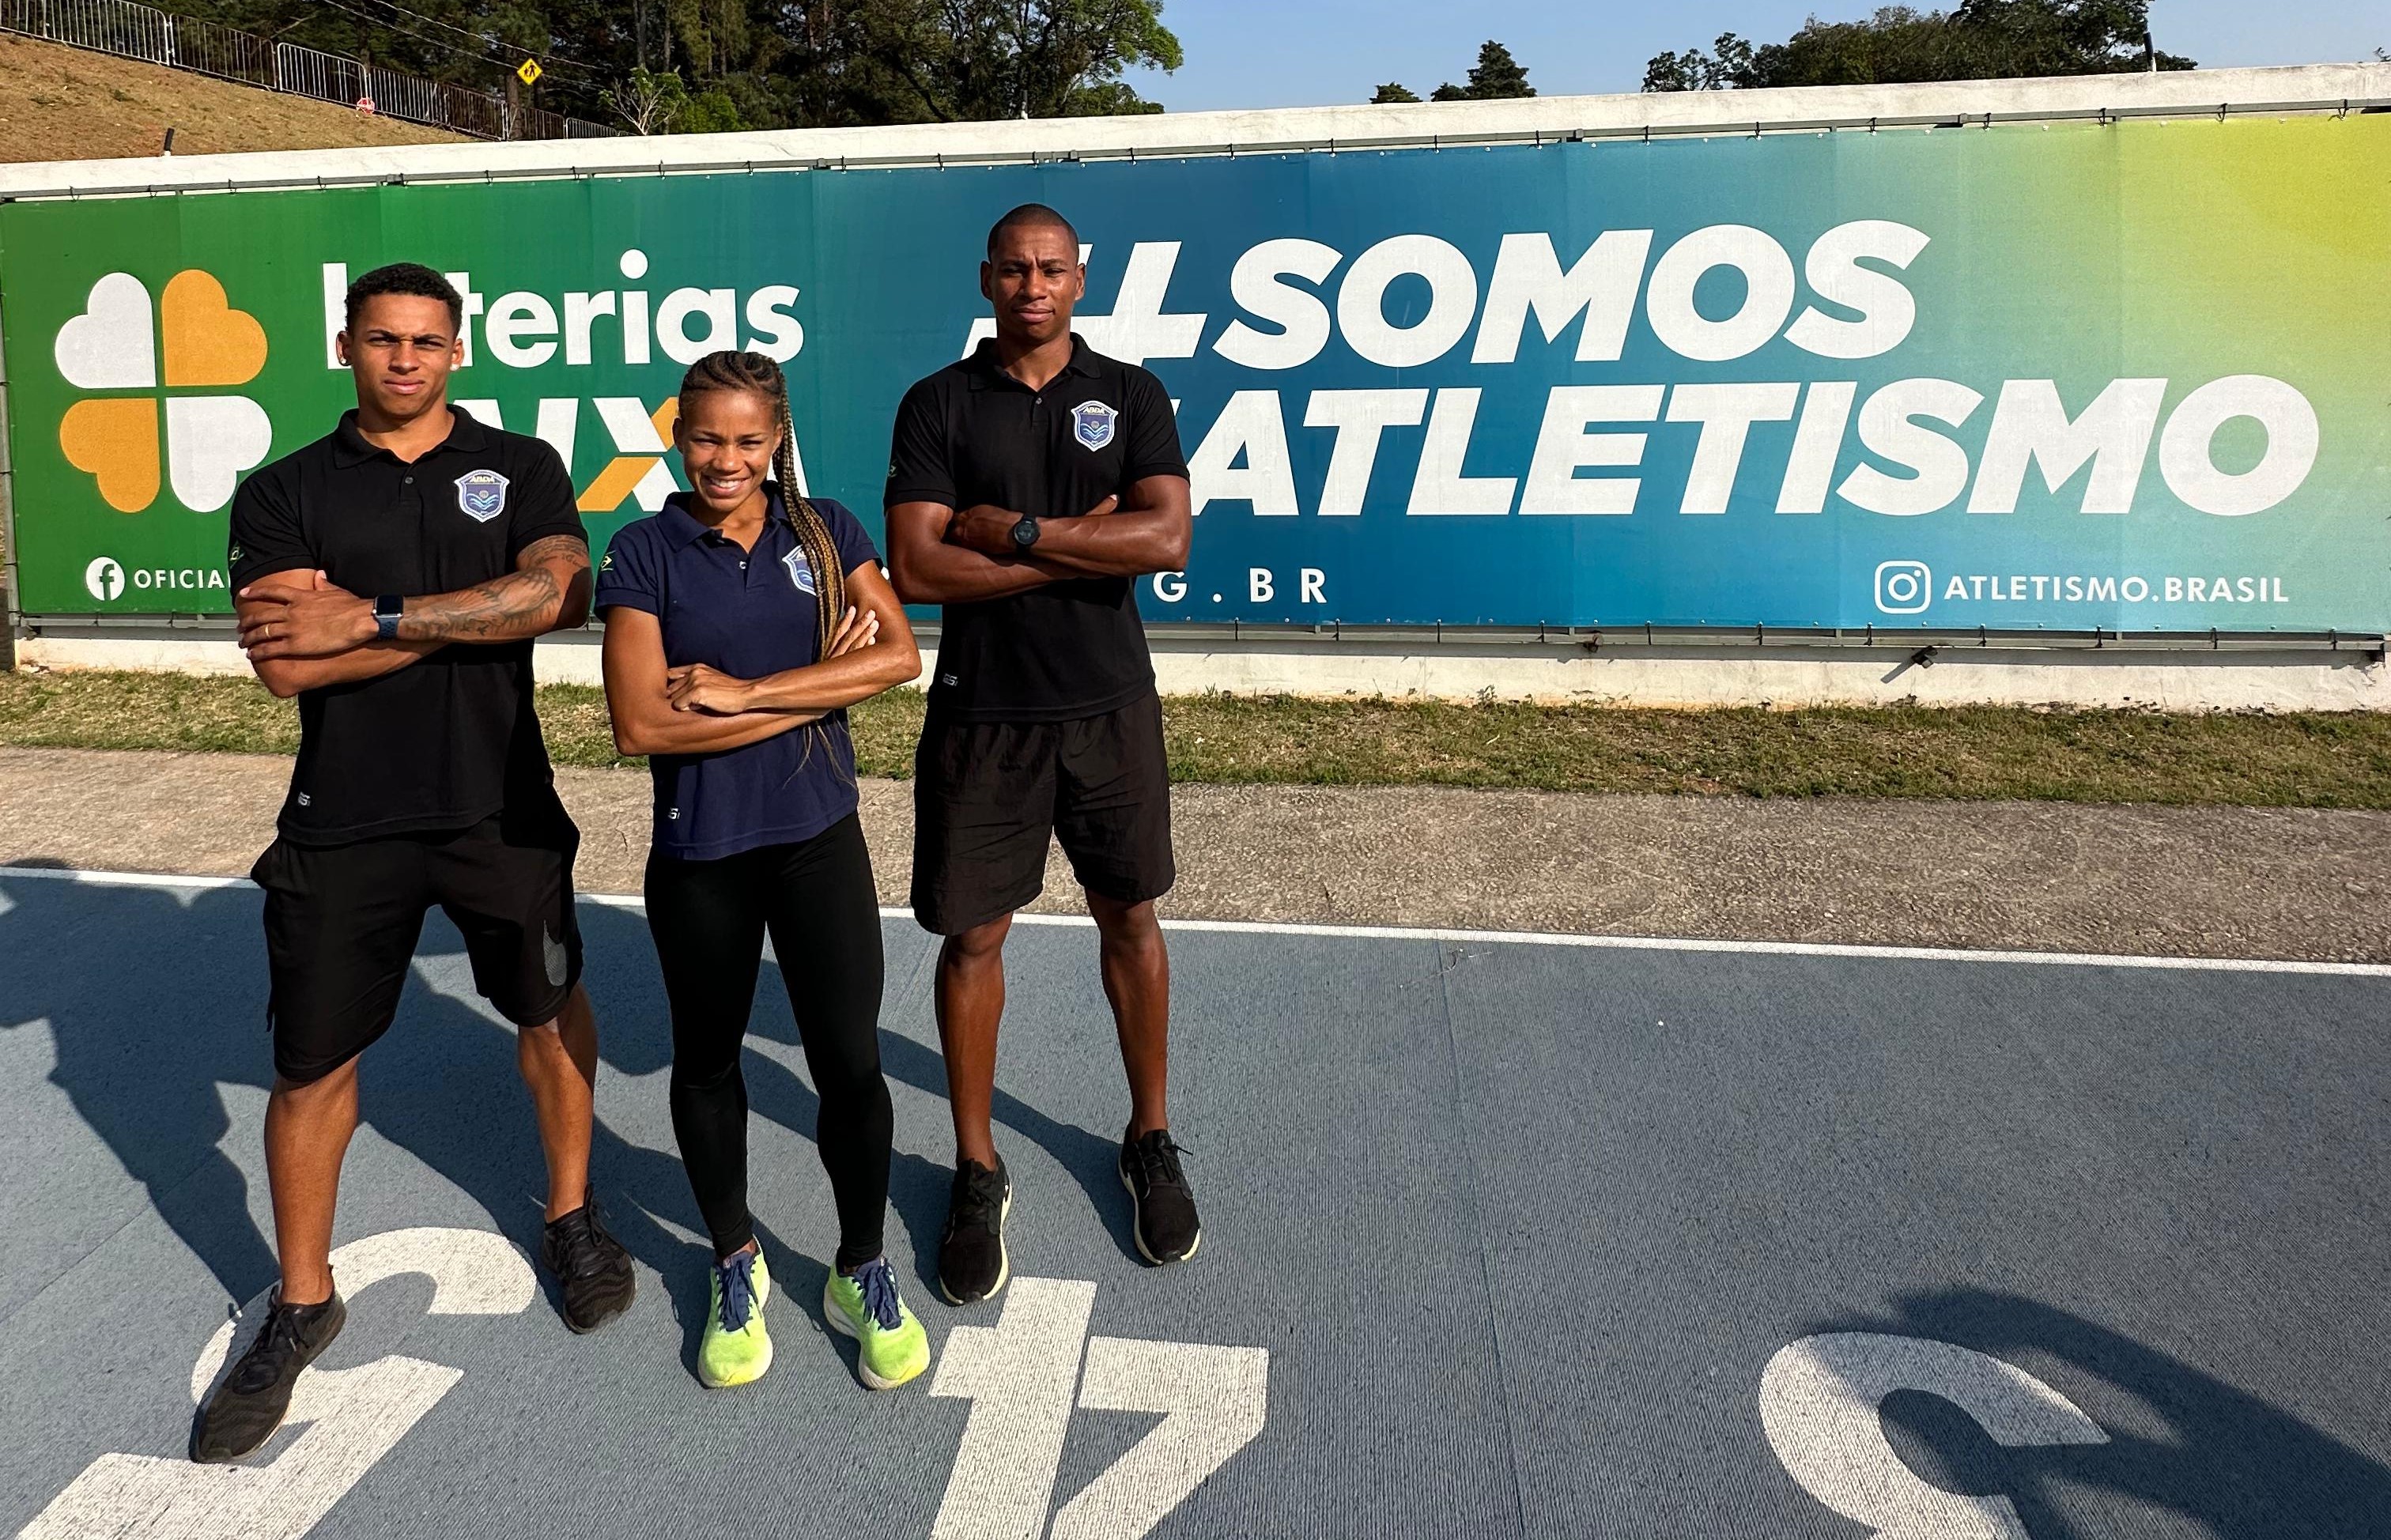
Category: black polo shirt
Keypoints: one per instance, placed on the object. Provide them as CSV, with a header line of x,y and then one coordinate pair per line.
x,y
972,433
450,739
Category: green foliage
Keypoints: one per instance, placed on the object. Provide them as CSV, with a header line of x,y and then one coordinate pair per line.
x,y
971,60
648,100
703,66
1980,40
1495,76
710,112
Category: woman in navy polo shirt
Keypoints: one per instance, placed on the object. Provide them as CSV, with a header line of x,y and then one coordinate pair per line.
x,y
740,626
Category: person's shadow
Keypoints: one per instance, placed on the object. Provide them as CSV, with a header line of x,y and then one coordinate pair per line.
x,y
2237,1468
152,997
919,1188
156,997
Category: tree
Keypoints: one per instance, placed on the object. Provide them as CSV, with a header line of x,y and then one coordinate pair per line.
x,y
751,63
1393,91
1980,40
974,60
649,99
1497,75
1696,71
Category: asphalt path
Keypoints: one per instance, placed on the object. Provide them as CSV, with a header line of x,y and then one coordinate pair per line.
x,y
1505,1236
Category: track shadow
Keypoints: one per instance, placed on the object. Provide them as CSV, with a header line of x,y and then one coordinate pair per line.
x,y
2231,1464
153,996
1090,1159
155,999
918,1188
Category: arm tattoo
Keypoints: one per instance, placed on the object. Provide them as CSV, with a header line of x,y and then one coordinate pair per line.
x,y
525,603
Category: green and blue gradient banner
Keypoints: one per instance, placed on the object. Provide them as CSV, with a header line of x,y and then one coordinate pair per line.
x,y
2130,377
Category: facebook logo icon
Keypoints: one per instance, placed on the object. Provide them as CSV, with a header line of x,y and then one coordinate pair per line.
x,y
104,579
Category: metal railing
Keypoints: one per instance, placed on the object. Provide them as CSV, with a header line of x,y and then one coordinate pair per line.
x,y
133,30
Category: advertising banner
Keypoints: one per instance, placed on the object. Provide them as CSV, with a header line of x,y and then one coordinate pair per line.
x,y
2129,376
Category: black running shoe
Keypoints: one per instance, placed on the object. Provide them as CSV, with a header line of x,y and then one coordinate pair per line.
x,y
251,1402
972,1263
1164,1217
593,1272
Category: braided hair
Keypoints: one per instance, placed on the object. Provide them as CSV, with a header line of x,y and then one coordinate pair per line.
x,y
755,372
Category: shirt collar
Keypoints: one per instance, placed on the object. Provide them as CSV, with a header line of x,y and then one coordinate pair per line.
x,y
684,529
987,372
351,447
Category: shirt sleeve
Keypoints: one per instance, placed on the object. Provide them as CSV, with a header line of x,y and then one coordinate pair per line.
x,y
847,532
627,576
1153,431
920,470
268,536
543,502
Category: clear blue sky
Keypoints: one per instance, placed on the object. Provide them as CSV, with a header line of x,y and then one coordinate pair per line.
x,y
1301,53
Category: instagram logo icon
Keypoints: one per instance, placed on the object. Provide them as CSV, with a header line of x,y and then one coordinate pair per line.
x,y
1903,588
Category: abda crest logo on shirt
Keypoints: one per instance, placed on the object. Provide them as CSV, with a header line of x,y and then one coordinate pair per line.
x,y
146,359
482,493
1093,422
801,572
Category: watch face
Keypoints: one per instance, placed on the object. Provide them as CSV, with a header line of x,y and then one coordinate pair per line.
x,y
1026,533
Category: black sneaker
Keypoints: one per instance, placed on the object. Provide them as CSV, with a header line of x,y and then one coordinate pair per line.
x,y
593,1272
972,1263
250,1403
1164,1217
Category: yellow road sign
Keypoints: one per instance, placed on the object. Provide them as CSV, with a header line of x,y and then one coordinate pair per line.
x,y
528,72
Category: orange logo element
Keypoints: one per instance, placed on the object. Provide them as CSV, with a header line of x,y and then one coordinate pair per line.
x,y
115,345
626,472
207,342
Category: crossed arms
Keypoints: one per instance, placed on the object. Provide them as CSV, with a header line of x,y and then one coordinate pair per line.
x,y
697,710
938,555
302,632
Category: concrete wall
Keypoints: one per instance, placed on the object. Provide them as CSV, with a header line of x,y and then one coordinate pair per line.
x,y
2353,679
2302,87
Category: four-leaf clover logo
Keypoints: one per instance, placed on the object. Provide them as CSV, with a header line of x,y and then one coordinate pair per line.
x,y
197,341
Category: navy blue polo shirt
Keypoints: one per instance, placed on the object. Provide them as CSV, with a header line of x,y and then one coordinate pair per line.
x,y
748,613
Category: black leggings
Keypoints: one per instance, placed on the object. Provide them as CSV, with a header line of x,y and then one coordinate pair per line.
x,y
708,918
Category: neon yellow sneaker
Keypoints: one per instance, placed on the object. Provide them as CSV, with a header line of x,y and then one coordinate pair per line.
x,y
892,1347
736,1348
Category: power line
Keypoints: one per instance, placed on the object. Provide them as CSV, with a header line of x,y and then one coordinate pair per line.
x,y
480,38
422,37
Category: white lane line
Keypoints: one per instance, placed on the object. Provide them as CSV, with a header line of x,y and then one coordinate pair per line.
x,y
1504,938
122,879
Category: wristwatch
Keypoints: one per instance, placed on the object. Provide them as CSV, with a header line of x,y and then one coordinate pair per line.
x,y
1024,533
386,611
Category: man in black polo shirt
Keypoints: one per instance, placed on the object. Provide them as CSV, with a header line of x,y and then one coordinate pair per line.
x,y
392,575
1028,487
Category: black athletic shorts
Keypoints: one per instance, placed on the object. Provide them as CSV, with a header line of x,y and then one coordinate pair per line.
x,y
341,923
986,794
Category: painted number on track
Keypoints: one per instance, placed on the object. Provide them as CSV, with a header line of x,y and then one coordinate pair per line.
x,y
1024,1376
1819,1399
352,1416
